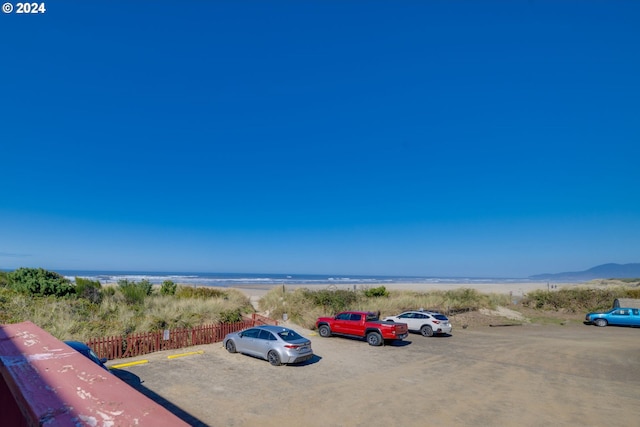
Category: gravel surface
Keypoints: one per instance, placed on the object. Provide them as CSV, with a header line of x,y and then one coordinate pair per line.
x,y
528,375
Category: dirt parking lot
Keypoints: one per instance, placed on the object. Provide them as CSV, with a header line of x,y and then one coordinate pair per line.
x,y
485,376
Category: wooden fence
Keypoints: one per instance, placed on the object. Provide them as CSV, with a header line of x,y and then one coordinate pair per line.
x,y
119,347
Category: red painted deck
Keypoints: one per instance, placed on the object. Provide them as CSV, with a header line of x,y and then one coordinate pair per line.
x,y
44,382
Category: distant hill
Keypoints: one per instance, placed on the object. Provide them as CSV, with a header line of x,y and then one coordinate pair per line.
x,y
604,271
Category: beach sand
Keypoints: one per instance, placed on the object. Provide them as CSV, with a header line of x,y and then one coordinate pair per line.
x,y
255,292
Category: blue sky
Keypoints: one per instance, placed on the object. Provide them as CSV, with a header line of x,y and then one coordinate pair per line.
x,y
439,138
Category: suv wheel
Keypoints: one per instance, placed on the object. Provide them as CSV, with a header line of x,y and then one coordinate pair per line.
x,y
426,331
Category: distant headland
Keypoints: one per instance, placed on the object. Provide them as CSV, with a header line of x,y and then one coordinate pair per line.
x,y
604,271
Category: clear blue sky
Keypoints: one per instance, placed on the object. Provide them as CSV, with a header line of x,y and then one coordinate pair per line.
x,y
438,138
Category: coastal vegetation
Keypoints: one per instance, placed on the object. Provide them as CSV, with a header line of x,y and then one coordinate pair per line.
x,y
580,299
86,309
303,306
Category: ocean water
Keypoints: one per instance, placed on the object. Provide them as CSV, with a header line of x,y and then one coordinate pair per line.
x,y
247,279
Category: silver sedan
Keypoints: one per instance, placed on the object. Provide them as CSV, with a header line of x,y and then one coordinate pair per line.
x,y
276,344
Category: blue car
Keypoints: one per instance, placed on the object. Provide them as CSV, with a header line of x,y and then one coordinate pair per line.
x,y
86,351
616,316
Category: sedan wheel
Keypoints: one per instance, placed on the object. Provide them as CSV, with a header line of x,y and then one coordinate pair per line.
x,y
231,347
274,358
600,322
426,331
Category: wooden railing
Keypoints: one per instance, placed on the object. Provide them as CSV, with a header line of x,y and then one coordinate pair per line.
x,y
261,320
119,347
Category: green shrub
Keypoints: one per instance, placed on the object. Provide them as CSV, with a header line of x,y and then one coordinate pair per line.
x,y
230,316
380,291
134,293
38,281
332,300
4,279
168,288
89,289
146,286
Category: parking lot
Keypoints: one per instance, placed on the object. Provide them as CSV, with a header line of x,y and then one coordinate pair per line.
x,y
485,376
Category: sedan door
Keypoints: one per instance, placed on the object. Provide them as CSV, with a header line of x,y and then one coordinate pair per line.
x,y
249,343
264,343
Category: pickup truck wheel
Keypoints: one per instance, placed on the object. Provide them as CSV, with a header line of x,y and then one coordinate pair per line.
x,y
600,322
426,331
374,338
274,358
324,331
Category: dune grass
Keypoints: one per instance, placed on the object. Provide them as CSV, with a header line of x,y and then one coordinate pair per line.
x,y
304,306
121,311
584,298
115,314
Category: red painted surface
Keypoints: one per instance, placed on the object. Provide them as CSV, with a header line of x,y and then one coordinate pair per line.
x,y
44,382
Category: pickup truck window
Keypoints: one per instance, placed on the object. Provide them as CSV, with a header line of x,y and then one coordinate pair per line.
x,y
636,311
343,316
355,316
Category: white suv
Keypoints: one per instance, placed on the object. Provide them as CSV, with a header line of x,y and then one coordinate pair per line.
x,y
427,322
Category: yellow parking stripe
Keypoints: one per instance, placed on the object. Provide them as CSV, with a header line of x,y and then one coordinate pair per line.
x,y
185,354
123,365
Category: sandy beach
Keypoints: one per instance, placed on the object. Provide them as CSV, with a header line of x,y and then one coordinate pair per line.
x,y
255,292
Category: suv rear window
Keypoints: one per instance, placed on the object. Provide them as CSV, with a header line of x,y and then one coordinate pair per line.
x,y
440,317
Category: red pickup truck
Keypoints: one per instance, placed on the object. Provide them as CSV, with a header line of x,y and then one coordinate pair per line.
x,y
361,324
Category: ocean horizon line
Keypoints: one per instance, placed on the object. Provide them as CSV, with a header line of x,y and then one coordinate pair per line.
x,y
234,279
